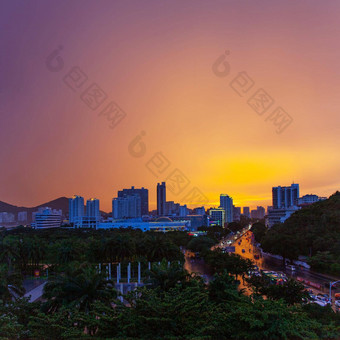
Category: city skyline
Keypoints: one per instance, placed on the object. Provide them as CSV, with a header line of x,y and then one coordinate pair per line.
x,y
212,204
159,71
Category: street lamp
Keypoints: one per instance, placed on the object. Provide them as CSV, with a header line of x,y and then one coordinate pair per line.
x,y
330,290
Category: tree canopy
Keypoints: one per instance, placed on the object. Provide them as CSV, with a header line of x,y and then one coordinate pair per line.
x,y
312,231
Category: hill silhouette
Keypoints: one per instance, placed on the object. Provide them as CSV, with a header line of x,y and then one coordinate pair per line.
x,y
59,203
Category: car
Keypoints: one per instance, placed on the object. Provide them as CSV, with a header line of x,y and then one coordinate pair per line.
x,y
312,297
254,273
282,275
291,267
320,303
323,298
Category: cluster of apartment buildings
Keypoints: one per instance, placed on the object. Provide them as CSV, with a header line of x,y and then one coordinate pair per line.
x,y
131,209
10,218
42,218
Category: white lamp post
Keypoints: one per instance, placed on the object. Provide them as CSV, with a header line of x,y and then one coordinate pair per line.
x,y
330,290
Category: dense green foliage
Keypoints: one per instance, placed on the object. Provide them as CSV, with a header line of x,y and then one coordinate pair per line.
x,y
81,302
259,230
78,287
291,292
232,263
200,244
185,309
25,249
313,231
235,227
215,232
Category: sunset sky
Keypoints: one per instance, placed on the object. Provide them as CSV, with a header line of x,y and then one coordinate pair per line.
x,y
154,59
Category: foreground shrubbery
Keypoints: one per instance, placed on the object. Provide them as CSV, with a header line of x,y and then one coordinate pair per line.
x,y
174,306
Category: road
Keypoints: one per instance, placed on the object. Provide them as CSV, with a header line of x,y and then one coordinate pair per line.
x,y
36,293
269,263
265,262
197,265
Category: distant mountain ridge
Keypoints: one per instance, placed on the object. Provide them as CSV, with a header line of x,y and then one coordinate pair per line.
x,y
59,203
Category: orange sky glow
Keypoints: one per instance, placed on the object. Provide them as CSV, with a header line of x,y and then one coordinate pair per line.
x,y
155,59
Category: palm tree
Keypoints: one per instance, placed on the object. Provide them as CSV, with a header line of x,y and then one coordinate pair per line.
x,y
10,284
126,248
8,252
79,288
165,276
23,252
223,288
37,252
157,248
110,250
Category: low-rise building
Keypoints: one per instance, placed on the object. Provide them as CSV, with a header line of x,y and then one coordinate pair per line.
x,y
310,199
276,216
217,215
47,218
162,224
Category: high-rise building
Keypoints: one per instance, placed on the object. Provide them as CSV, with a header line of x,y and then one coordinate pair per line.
x,y
183,210
6,217
295,194
128,206
76,208
161,198
217,215
285,201
144,197
226,202
285,197
246,211
261,211
236,213
200,211
92,208
170,208
22,216
258,213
